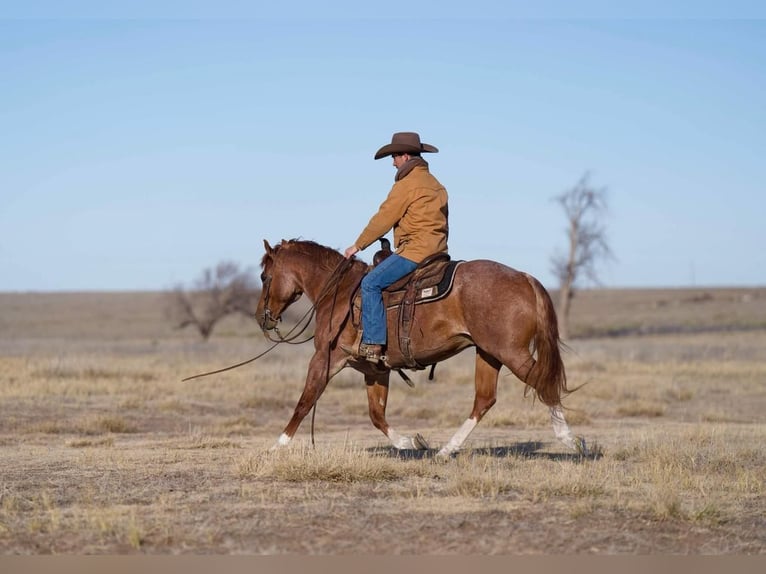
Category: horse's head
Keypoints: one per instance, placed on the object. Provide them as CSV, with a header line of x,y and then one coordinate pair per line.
x,y
280,287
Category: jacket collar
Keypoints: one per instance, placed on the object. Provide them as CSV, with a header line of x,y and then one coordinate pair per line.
x,y
408,166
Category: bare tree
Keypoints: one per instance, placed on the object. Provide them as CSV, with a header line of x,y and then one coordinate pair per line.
x,y
585,207
219,292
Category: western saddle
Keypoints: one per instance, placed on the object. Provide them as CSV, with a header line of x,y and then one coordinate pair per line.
x,y
431,280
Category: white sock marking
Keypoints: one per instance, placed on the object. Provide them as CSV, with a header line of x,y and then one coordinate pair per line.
x,y
458,438
561,428
283,440
399,441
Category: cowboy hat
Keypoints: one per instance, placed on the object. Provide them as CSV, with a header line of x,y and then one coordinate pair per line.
x,y
405,142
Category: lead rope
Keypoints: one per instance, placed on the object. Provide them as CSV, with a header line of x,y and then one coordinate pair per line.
x,y
289,339
330,342
332,281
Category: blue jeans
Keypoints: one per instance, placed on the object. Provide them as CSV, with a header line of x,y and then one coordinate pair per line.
x,y
388,271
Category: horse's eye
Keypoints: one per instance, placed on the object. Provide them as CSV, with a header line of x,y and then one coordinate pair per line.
x,y
263,277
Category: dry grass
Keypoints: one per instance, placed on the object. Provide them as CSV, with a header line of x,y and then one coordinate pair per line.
x,y
104,450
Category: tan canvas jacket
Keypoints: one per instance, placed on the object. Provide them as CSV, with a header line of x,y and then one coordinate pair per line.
x,y
416,208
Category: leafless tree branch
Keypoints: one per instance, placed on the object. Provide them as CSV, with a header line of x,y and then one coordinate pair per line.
x,y
585,208
220,291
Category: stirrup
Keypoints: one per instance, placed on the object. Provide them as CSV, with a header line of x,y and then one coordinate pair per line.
x,y
353,348
366,351
371,352
350,350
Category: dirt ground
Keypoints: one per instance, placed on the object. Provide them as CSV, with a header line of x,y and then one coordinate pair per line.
x,y
105,451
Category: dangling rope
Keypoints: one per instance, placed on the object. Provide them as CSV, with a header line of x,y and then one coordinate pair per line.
x,y
232,366
332,282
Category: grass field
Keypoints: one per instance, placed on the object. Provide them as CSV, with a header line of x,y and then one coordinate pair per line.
x,y
104,450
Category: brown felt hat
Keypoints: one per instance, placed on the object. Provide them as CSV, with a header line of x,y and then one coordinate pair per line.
x,y
405,142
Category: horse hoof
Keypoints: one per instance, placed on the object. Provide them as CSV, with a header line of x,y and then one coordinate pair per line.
x,y
419,442
443,456
580,446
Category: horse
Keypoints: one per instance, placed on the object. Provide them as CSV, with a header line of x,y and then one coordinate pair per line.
x,y
507,315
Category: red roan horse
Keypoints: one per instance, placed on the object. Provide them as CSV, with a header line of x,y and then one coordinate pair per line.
x,y
506,314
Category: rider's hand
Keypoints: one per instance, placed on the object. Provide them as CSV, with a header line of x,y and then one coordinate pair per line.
x,y
350,251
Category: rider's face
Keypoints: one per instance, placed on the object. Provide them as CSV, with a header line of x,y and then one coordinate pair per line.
x,y
399,159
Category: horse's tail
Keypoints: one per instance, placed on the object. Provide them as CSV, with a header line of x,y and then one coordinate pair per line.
x,y
547,376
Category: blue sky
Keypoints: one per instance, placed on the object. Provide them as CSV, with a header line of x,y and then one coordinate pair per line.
x,y
139,146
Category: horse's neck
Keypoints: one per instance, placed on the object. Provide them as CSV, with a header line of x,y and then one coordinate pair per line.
x,y
313,279
314,285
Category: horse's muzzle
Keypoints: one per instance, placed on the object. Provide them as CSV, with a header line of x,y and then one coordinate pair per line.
x,y
266,321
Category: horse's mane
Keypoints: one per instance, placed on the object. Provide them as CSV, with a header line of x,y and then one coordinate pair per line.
x,y
323,256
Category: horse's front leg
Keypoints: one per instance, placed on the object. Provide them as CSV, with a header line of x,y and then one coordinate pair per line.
x,y
377,398
317,378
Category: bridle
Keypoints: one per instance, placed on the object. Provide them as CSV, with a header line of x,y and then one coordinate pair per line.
x,y
332,283
268,318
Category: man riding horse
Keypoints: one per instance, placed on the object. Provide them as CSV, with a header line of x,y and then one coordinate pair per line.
x,y
505,314
416,209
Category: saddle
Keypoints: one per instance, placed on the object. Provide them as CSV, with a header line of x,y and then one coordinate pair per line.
x,y
431,281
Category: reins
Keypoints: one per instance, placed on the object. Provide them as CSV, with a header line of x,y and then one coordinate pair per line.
x,y
332,283
289,339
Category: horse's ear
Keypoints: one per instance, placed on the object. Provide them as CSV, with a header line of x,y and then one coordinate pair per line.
x,y
269,250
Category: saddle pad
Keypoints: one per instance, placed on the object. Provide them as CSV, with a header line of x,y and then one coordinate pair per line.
x,y
427,289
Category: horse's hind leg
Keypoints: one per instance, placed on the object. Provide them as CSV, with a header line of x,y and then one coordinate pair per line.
x,y
377,398
563,433
520,366
487,369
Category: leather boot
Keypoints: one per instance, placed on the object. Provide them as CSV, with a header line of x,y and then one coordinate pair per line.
x,y
367,351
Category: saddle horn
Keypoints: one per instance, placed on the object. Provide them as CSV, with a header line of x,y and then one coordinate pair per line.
x,y
385,251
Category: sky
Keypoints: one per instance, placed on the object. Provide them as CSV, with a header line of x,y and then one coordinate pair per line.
x,y
143,142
